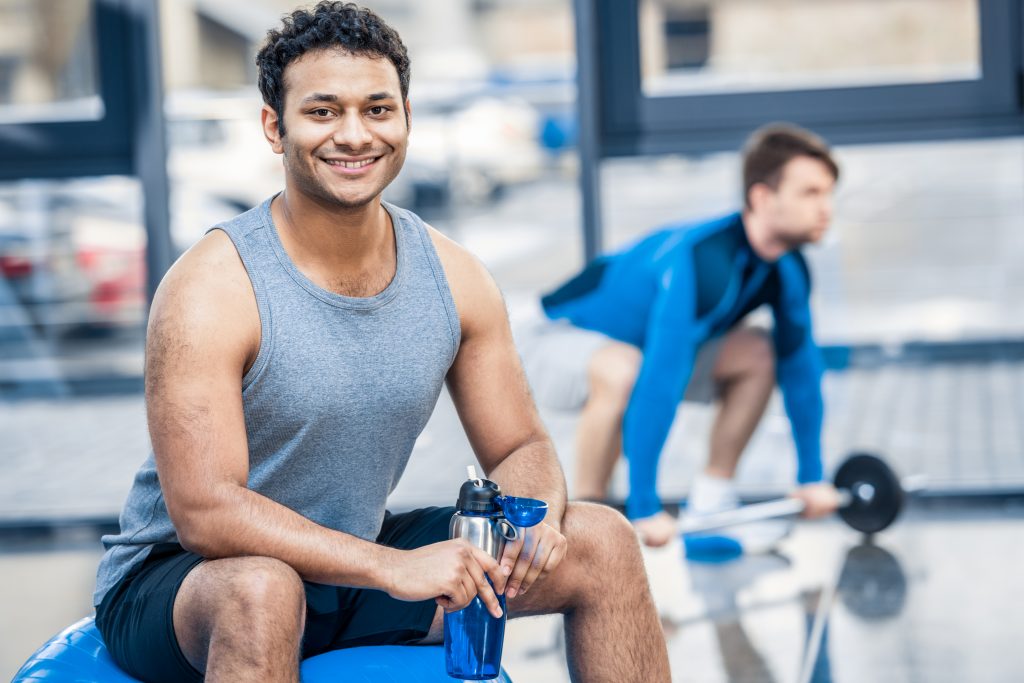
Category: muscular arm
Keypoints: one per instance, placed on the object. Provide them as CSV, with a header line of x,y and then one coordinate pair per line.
x,y
490,392
203,332
493,400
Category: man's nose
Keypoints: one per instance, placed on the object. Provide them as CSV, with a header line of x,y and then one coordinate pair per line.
x,y
826,209
352,132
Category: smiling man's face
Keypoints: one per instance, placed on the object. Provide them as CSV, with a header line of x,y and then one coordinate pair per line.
x,y
346,127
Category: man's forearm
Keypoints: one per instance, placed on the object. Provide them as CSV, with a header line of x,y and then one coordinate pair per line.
x,y
533,471
242,522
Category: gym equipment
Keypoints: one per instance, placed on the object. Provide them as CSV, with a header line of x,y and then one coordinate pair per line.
x,y
871,498
78,654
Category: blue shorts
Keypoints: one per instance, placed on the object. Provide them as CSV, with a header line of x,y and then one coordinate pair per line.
x,y
135,617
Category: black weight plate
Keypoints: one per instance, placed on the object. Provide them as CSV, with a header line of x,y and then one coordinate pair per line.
x,y
881,511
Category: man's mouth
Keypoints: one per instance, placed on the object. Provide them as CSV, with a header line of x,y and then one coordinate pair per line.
x,y
351,164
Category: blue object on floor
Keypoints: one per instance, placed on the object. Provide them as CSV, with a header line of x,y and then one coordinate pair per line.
x,y
711,548
78,654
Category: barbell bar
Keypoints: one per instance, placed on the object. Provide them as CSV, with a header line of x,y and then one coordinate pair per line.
x,y
871,497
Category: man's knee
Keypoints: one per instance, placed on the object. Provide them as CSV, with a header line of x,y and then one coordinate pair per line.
x,y
264,583
613,371
600,536
748,351
254,589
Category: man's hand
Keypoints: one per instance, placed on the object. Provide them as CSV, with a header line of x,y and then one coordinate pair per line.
x,y
820,499
533,555
656,530
451,572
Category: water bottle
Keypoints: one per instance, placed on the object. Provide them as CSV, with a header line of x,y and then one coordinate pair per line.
x,y
472,637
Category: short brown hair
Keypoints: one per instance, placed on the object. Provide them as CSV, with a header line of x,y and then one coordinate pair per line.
x,y
771,147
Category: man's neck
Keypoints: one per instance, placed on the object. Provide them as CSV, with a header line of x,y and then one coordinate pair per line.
x,y
761,238
351,251
333,237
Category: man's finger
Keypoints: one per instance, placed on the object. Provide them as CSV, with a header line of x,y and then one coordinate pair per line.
x,y
552,558
553,561
540,560
484,591
522,564
494,570
468,591
510,555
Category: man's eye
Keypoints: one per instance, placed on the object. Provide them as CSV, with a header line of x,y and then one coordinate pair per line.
x,y
378,110
322,112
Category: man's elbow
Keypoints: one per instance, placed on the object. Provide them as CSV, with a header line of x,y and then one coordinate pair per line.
x,y
203,529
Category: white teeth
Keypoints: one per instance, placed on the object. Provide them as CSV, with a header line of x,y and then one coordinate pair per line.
x,y
351,164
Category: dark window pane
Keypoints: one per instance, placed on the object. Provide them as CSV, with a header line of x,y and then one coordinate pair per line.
x,y
705,46
47,60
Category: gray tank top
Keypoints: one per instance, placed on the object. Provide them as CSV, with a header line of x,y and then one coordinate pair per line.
x,y
336,397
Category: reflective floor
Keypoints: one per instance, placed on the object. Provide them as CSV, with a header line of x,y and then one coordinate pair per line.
x,y
937,597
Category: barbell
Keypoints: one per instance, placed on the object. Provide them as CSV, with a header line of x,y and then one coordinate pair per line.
x,y
871,497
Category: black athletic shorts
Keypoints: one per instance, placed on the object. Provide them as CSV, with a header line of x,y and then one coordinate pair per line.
x,y
135,615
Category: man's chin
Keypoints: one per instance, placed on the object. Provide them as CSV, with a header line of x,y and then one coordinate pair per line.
x,y
347,201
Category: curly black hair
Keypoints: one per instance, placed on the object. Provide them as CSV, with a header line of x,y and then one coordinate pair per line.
x,y
328,26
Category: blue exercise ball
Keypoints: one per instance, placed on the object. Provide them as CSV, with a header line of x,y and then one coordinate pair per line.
x,y
78,654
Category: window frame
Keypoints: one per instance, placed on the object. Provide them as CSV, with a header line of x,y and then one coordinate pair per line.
x,y
634,123
89,146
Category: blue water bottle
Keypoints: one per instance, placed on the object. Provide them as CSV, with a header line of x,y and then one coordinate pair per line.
x,y
472,637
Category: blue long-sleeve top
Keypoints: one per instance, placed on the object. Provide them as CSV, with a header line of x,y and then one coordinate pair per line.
x,y
670,292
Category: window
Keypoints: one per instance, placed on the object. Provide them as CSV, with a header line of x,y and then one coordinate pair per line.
x,y
47,61
698,75
734,46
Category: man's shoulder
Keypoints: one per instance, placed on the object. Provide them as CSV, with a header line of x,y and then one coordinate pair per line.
x,y
474,291
206,301
714,242
208,279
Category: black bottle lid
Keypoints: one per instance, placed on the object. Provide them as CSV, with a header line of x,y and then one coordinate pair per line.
x,y
478,495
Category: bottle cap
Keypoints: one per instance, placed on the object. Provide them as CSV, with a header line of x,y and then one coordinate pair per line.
x,y
478,495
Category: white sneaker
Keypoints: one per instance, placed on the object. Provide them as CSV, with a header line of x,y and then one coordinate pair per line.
x,y
710,495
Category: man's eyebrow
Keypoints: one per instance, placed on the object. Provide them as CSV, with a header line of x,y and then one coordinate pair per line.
x,y
319,97
326,97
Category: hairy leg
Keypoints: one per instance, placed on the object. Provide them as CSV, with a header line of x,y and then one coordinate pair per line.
x,y
612,373
241,619
745,371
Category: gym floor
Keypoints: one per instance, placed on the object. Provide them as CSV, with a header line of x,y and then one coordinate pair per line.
x,y
936,597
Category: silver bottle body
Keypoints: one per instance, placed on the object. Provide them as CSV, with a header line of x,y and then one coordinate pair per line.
x,y
487,533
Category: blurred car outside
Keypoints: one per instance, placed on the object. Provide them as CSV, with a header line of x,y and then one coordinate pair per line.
x,y
69,265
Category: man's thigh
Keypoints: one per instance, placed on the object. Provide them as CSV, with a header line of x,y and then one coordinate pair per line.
x,y
745,348
136,617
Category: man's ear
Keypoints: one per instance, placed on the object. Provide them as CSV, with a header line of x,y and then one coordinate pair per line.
x,y
408,114
758,194
271,132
